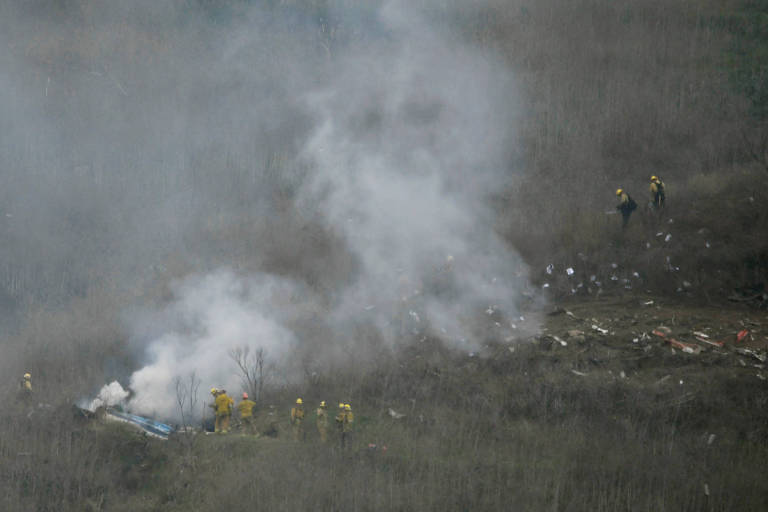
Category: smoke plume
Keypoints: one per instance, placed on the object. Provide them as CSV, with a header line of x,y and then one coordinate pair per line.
x,y
299,172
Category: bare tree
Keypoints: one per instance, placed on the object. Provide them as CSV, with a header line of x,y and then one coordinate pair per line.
x,y
186,400
252,369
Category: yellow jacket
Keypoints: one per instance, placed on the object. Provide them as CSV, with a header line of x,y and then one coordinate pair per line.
x,y
349,418
344,421
322,417
246,408
297,414
223,405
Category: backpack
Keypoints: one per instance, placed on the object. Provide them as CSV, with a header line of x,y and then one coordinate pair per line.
x,y
631,205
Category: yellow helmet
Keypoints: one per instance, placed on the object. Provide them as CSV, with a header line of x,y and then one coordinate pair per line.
x,y
299,401
347,407
654,178
214,391
341,406
322,403
619,191
27,376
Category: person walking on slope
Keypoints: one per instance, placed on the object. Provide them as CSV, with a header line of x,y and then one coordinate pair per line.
x,y
245,408
626,206
657,193
297,420
322,421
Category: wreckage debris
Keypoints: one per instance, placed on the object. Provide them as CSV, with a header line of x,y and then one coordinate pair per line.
x,y
148,426
760,356
688,348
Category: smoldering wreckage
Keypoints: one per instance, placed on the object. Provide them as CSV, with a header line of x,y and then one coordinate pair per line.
x,y
588,336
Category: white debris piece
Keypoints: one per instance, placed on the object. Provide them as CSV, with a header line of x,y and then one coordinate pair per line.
x,y
394,414
614,265
592,278
550,268
614,278
668,237
707,245
686,284
647,245
623,375
660,233
560,341
569,271
490,310
580,374
545,285
671,221
599,329
415,316
636,274
711,439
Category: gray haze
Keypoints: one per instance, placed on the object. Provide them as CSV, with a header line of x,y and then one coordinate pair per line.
x,y
291,173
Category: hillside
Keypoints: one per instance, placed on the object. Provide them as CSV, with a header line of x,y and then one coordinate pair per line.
x,y
406,206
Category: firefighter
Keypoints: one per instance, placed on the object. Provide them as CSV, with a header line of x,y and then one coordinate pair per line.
x,y
657,193
25,389
322,421
344,422
346,430
223,408
297,419
626,206
245,408
26,383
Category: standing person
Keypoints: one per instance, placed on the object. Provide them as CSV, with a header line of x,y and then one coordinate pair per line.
x,y
657,193
223,408
245,408
25,389
626,206
344,422
26,383
322,421
346,429
340,422
297,420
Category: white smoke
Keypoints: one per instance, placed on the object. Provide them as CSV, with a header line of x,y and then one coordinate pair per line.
x,y
411,136
110,395
211,316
